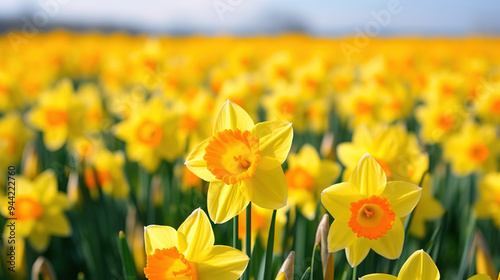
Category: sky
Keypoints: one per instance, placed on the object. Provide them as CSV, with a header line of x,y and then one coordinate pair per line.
x,y
316,17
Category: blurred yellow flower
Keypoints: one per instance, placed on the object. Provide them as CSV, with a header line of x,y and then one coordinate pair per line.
x,y
487,103
367,211
488,205
39,209
242,161
474,148
306,177
147,134
428,209
13,135
58,114
109,172
189,253
439,122
395,150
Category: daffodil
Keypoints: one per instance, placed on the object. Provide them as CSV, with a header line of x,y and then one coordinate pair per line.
x,y
147,133
474,148
428,209
439,122
419,266
189,253
306,177
13,135
242,161
395,150
94,116
367,211
487,103
58,114
39,210
488,205
109,172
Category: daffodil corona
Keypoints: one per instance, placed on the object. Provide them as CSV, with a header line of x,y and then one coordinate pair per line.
x,y
367,211
242,161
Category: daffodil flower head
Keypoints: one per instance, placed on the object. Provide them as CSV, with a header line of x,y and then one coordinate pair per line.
x,y
367,211
189,253
242,161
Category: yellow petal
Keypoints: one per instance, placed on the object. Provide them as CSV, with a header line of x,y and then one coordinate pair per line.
x,y
357,251
39,241
480,277
419,266
286,271
267,188
328,172
55,138
46,185
275,140
159,237
390,244
221,262
340,236
232,116
198,232
196,164
337,200
281,276
225,201
379,276
349,154
403,196
56,224
368,177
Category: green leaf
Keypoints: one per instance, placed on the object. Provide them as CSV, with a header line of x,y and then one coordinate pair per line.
x,y
269,249
127,259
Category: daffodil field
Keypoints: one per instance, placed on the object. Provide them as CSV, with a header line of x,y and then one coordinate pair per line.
x,y
285,157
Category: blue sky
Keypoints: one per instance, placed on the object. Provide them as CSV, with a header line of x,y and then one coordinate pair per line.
x,y
318,17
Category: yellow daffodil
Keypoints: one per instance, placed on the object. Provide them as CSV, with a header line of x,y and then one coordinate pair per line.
x,y
109,172
58,114
13,135
487,103
39,209
474,148
367,211
396,150
439,122
94,116
147,133
242,161
419,266
428,209
488,205
285,104
189,253
306,177
360,105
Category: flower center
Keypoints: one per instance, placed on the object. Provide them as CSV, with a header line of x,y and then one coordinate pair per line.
x,y
103,176
10,141
187,123
385,167
479,152
446,122
149,133
495,107
298,178
27,208
287,107
169,264
363,107
232,155
56,117
371,217
447,90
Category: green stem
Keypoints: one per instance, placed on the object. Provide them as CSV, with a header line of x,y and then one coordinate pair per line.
x,y
248,240
354,272
235,232
269,249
